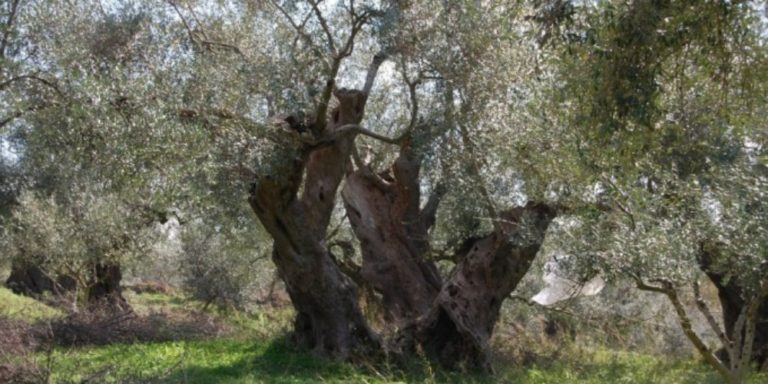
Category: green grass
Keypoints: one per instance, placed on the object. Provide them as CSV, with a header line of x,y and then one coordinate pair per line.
x,y
218,361
18,307
272,361
147,302
257,353
261,324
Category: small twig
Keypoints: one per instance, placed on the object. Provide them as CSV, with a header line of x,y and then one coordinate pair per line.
x,y
206,42
300,30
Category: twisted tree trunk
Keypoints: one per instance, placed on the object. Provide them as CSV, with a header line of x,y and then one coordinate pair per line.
x,y
29,280
104,290
732,300
32,280
460,322
393,231
328,318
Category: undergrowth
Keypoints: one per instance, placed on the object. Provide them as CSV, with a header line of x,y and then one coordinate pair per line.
x,y
254,349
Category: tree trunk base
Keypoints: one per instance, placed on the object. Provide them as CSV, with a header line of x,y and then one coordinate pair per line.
x,y
459,326
104,289
732,301
328,321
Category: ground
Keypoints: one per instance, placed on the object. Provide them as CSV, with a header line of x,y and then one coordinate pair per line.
x,y
177,343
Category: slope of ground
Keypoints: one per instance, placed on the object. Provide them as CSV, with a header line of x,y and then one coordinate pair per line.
x,y
16,307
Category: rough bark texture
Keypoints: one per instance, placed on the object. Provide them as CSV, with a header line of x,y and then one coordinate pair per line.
x,y
731,296
393,231
104,289
459,325
328,318
32,280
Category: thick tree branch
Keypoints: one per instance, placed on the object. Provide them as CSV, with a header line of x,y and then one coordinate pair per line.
x,y
685,323
704,309
373,70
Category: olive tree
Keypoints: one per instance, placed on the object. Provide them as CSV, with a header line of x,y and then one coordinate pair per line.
x,y
662,109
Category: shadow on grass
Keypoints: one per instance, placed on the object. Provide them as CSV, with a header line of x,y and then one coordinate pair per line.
x,y
277,363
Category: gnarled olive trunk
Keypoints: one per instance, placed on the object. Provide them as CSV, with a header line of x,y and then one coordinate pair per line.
x,y
393,231
104,290
32,280
732,301
328,318
29,280
460,322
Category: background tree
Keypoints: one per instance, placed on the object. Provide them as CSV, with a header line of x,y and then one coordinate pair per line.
x,y
662,105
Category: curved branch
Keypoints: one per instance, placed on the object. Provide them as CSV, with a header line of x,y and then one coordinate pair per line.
x,y
39,79
685,323
351,129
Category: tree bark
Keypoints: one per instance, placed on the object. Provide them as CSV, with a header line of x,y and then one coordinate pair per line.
x,y
460,322
32,280
104,289
328,318
29,280
732,301
393,231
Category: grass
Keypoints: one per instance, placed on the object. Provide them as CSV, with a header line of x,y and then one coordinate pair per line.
x,y
16,307
216,361
256,352
272,361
